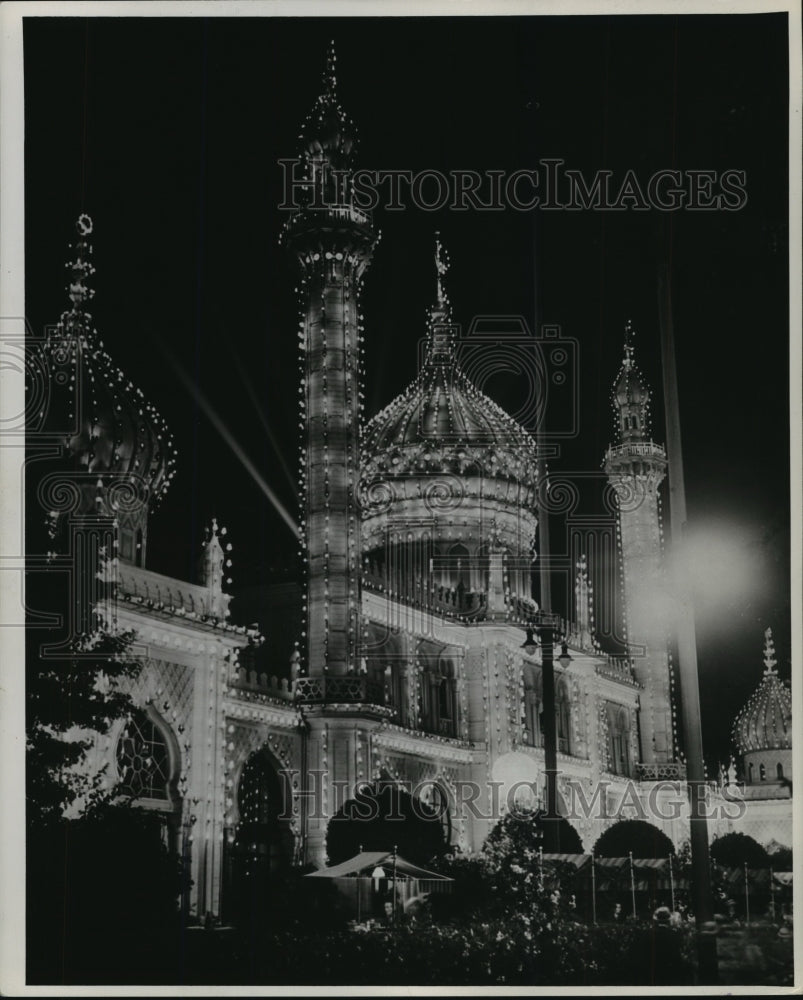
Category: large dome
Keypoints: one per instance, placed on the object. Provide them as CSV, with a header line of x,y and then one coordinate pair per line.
x,y
444,466
443,423
765,722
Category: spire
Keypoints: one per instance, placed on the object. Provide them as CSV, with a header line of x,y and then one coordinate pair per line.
x,y
630,333
328,133
769,654
584,613
214,563
330,72
441,328
81,268
631,396
442,268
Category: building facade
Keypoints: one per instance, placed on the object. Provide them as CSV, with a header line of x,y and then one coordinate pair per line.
x,y
419,536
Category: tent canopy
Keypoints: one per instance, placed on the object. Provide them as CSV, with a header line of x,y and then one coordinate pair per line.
x,y
363,865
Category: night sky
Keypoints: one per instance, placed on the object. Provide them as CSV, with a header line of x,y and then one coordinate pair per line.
x,y
168,133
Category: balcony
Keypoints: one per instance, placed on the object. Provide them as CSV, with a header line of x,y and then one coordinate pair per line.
x,y
355,689
445,602
647,449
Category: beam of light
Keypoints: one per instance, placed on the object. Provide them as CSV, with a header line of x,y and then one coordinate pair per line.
x,y
230,440
264,421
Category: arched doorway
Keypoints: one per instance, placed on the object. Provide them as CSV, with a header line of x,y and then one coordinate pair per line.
x,y
260,848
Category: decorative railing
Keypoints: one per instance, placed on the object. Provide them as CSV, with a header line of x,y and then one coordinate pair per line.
x,y
351,688
648,448
273,687
345,213
618,668
672,771
189,600
439,600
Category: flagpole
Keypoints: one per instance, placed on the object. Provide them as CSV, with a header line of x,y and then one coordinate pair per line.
x,y
746,898
593,890
632,884
685,636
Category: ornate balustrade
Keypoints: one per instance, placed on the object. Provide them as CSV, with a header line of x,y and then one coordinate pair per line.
x,y
647,448
671,771
273,687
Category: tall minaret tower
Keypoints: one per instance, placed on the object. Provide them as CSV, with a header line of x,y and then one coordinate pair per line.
x,y
635,467
332,241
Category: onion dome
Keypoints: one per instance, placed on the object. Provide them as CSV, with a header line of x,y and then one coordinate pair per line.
x,y
328,132
114,440
443,450
765,722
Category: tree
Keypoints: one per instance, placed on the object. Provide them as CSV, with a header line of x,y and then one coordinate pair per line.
x,y
636,837
734,850
384,817
69,703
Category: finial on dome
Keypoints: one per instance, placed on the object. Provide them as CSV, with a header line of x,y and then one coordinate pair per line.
x,y
769,653
441,332
330,71
629,346
441,267
81,267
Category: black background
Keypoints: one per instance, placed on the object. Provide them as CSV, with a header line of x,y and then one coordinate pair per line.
x,y
168,133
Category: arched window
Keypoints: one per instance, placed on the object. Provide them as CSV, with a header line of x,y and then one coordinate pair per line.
x,y
532,709
762,772
619,739
750,773
439,696
779,770
144,759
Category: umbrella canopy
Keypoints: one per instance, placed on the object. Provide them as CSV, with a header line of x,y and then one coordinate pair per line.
x,y
364,864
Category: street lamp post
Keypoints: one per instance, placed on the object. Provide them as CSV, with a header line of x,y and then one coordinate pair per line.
x,y
547,625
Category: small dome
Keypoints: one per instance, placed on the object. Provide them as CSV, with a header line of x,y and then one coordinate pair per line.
x,y
107,426
328,132
765,723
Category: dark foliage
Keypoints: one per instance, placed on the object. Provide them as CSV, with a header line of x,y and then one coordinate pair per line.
x,y
103,894
634,836
736,849
383,817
